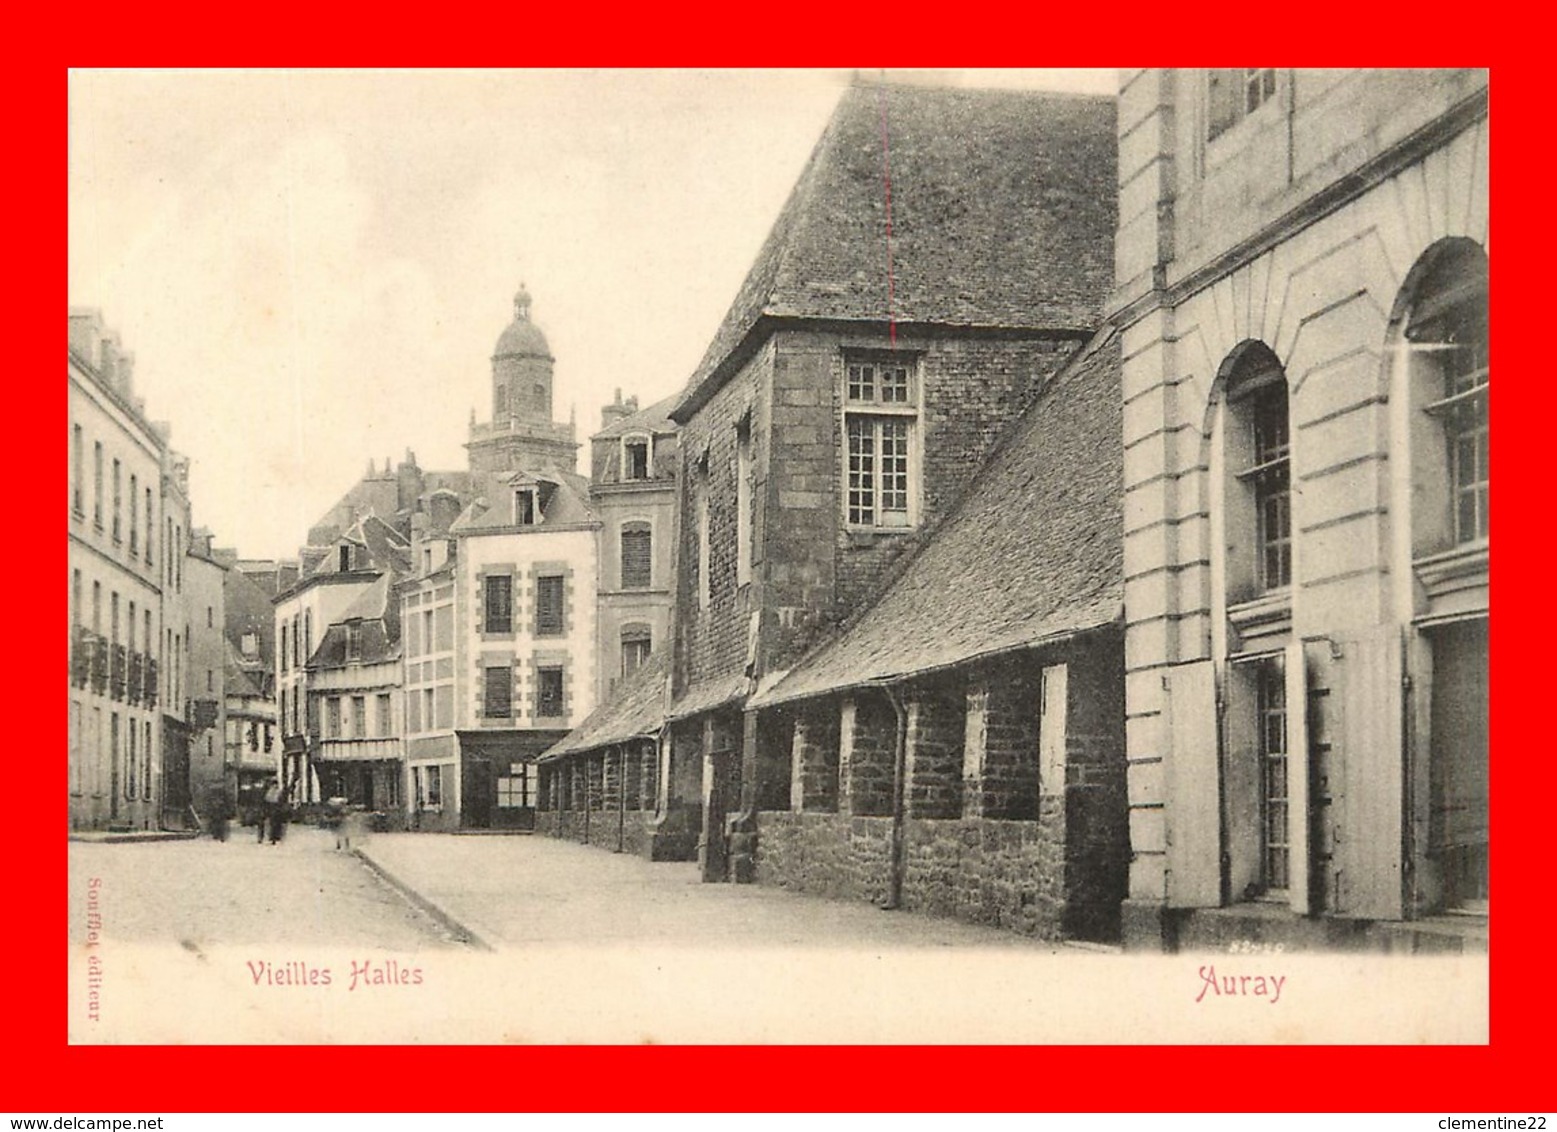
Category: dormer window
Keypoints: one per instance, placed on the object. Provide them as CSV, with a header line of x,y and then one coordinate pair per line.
x,y
527,511
250,644
636,458
345,557
353,640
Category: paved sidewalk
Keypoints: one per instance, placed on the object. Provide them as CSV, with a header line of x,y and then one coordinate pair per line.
x,y
516,891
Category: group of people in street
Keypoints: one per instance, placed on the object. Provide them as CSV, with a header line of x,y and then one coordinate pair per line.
x,y
273,813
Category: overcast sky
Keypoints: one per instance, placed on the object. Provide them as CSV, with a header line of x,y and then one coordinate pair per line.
x,y
312,268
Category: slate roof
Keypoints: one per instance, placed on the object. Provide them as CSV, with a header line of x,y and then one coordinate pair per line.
x,y
247,609
1033,553
654,419
492,508
706,695
387,549
1003,208
378,609
243,677
636,710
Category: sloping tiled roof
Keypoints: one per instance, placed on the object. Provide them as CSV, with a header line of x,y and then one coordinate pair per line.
x,y
656,419
1002,216
636,710
242,678
1033,553
492,507
247,609
378,610
706,695
387,549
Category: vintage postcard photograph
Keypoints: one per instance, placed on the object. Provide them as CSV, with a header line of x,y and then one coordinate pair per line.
x,y
796,557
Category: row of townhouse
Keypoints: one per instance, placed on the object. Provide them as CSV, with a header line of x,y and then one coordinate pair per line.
x,y
1098,545
445,628
146,619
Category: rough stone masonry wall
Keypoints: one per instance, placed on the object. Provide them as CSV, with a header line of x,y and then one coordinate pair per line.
x,y
973,389
1047,864
868,751
834,855
1002,873
711,642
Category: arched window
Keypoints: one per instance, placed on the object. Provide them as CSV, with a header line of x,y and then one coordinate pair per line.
x,y
1257,456
637,556
1446,344
1445,355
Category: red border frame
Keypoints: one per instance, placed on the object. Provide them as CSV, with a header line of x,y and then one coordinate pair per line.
x,y
45,1074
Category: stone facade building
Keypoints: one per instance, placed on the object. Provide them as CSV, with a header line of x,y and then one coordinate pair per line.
x,y
501,608
1302,289
959,748
859,380
632,488
205,626
118,562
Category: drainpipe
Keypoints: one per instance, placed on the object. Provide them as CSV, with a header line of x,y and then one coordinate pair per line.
x,y
896,856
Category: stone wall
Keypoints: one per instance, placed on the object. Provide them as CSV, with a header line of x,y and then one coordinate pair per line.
x,y
1005,874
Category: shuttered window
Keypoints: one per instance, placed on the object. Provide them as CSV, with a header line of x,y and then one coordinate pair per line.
x,y
637,561
548,607
497,701
499,607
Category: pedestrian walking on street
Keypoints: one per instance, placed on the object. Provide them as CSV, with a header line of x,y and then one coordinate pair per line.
x,y
270,814
221,816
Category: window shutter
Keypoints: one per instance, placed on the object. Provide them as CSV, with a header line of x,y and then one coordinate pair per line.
x,y
1194,821
1051,730
636,561
1368,853
548,607
1299,820
1242,776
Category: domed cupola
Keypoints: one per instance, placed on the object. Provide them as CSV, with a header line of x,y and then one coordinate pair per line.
x,y
522,338
522,432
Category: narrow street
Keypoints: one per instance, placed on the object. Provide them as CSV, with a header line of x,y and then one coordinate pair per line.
x,y
239,943
204,893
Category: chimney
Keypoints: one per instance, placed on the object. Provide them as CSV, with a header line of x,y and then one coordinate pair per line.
x,y
86,333
617,410
408,482
443,507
